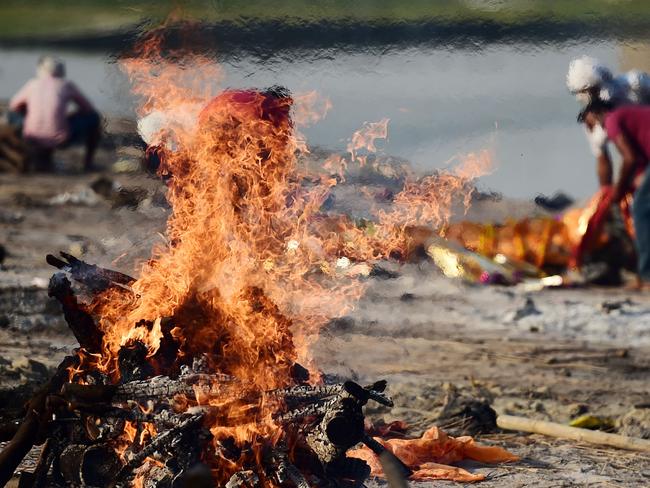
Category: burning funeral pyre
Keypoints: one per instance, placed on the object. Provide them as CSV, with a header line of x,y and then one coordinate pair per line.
x,y
171,428
197,373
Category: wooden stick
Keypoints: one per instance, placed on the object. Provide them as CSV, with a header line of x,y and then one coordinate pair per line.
x,y
33,425
81,323
20,445
552,429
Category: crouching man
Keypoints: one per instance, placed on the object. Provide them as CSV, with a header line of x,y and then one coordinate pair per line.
x,y
628,127
40,110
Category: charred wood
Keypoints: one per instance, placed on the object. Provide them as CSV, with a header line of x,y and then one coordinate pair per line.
x,y
244,479
163,442
99,465
81,323
353,470
132,362
165,387
45,460
340,428
159,388
153,388
197,476
34,426
283,470
70,463
302,394
156,476
93,277
74,392
296,476
84,465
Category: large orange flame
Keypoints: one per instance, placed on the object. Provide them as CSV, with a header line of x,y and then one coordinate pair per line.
x,y
247,274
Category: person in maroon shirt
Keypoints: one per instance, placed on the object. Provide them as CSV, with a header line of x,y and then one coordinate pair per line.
x,y
628,127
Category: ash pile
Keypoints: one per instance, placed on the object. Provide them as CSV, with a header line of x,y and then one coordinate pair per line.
x,y
156,426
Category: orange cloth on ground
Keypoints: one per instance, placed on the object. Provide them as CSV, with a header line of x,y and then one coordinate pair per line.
x,y
430,455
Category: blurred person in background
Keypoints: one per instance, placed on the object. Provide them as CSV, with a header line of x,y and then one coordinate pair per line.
x,y
589,80
628,127
41,112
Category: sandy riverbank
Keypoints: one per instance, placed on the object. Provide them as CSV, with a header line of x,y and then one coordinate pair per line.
x,y
545,355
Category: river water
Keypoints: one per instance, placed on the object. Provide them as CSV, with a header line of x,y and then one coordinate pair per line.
x,y
442,102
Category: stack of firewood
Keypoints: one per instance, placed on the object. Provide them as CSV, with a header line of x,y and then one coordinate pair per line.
x,y
82,425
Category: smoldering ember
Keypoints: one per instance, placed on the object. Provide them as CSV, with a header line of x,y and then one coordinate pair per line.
x,y
229,353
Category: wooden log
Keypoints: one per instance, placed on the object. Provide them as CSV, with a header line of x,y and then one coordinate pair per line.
x,y
43,466
339,429
132,362
33,426
296,476
95,465
160,443
304,393
244,479
281,470
552,429
159,388
347,471
310,401
198,475
99,465
156,388
157,477
96,279
81,323
70,462
74,392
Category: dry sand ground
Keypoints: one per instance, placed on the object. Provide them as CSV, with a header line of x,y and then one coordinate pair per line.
x,y
419,330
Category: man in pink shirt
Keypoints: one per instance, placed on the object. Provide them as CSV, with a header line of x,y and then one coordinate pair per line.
x,y
628,127
41,110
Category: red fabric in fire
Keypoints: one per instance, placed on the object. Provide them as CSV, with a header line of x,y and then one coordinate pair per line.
x,y
429,456
594,225
248,105
601,204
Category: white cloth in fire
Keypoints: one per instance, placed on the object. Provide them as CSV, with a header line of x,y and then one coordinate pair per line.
x,y
162,127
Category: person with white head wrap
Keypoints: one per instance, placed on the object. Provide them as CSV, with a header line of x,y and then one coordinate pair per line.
x,y
588,79
585,77
40,110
